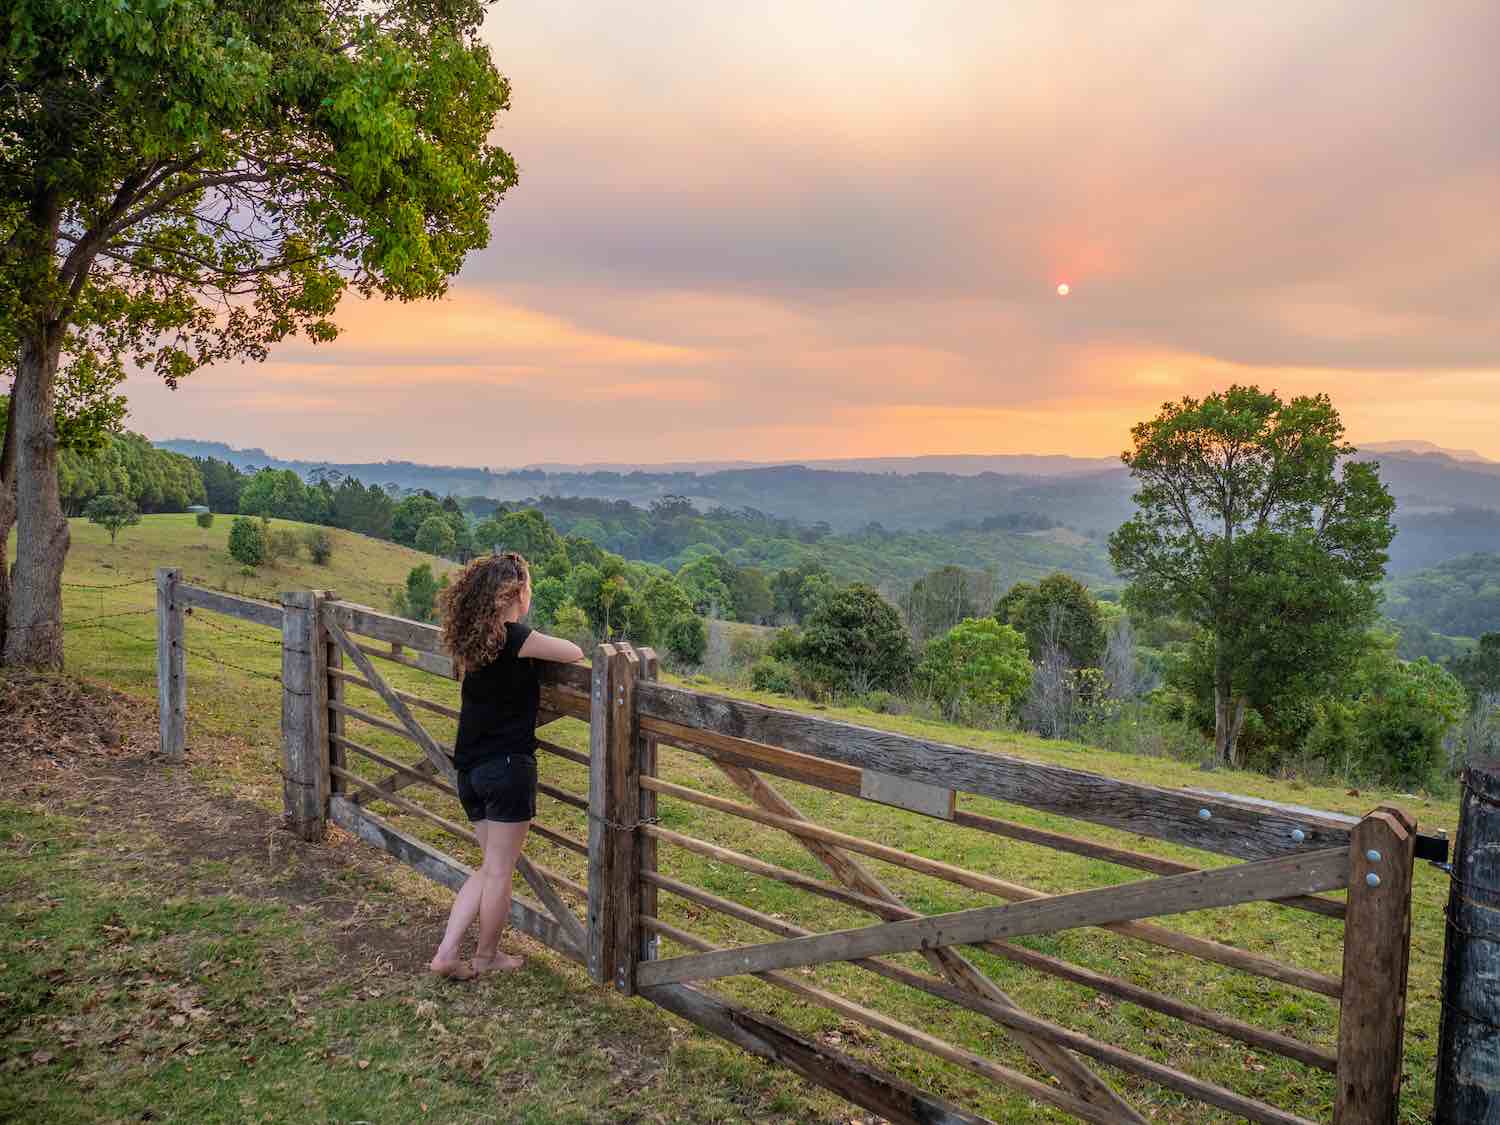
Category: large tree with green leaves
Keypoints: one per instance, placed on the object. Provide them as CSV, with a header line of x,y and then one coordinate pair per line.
x,y
1252,523
189,181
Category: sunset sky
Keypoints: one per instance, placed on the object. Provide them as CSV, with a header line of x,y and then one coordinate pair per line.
x,y
811,229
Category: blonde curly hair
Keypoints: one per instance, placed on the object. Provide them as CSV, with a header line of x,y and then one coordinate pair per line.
x,y
473,632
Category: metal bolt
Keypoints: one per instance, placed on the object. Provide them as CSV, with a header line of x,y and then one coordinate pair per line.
x,y
1298,835
1373,856
1372,879
1204,814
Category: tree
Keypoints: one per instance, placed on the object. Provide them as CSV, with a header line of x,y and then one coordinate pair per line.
x,y
547,596
787,586
112,513
686,638
1058,609
1479,671
436,537
411,514
247,541
855,641
979,664
938,601
572,623
417,601
751,597
1235,481
196,181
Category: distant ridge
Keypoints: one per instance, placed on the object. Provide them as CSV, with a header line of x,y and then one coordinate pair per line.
x,y
1417,445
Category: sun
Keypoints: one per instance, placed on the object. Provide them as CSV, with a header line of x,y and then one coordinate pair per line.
x,y
1063,289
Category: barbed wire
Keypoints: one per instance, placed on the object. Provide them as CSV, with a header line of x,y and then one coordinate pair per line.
x,y
112,586
238,634
86,623
214,658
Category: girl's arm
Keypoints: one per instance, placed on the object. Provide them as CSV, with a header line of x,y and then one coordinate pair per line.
x,y
539,646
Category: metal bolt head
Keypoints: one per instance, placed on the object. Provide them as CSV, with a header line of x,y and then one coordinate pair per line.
x,y
1204,814
1298,835
1373,856
1372,879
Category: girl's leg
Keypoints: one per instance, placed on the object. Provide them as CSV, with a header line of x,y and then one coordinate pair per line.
x,y
465,908
501,847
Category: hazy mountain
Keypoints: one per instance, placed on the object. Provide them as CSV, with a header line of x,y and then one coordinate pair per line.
x,y
1416,445
1445,506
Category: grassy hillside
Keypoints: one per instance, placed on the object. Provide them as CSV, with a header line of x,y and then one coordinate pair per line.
x,y
232,691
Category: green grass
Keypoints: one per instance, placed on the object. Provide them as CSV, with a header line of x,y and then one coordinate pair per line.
x,y
136,991
229,701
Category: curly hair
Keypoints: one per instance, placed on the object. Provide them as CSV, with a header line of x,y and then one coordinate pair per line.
x,y
473,632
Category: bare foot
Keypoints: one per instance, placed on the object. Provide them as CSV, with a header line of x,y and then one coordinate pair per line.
x,y
499,963
453,970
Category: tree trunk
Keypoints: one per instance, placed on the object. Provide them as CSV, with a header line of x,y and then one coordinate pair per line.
x,y
34,636
7,516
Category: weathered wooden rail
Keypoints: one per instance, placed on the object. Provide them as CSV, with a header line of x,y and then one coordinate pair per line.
x,y
608,918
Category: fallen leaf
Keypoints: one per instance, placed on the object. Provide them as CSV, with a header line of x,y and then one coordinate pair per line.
x,y
178,1019
364,1064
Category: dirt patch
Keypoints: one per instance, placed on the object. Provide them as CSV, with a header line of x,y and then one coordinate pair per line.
x,y
91,752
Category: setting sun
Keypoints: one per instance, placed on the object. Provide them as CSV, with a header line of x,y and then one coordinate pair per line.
x,y
1064,289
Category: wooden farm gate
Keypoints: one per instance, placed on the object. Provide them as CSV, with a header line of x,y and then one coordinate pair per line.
x,y
1288,856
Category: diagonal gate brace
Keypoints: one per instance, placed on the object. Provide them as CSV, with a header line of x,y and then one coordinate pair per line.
x,y
1074,1074
1173,894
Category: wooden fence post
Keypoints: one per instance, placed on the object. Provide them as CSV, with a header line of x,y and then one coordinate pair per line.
x,y
333,693
304,715
646,845
1377,943
1468,1076
614,808
171,666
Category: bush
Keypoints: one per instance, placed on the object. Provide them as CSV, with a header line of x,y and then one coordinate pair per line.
x,y
1393,733
686,638
247,541
978,666
205,519
319,545
282,544
775,676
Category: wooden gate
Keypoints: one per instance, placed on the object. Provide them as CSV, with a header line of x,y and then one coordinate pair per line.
x,y
1286,856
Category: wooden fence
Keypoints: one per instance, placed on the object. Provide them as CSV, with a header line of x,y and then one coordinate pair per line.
x,y
1286,855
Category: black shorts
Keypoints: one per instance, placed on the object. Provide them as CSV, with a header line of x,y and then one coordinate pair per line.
x,y
502,789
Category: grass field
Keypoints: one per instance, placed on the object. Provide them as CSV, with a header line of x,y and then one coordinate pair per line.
x,y
231,693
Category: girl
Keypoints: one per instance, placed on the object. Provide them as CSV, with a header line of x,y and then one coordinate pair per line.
x,y
495,754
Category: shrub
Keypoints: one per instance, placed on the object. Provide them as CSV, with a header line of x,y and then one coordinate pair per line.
x,y
1393,732
319,545
282,544
979,665
771,675
686,638
247,541
205,519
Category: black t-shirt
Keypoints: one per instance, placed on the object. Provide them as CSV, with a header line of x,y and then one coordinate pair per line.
x,y
500,700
